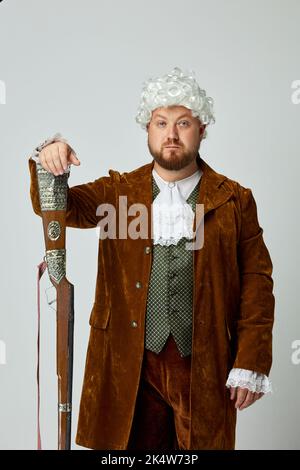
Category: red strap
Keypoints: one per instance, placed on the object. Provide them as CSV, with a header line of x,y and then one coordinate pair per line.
x,y
41,269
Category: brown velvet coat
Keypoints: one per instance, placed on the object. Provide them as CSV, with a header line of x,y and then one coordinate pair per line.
x,y
233,307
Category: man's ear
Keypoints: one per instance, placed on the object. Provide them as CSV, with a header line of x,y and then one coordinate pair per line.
x,y
202,129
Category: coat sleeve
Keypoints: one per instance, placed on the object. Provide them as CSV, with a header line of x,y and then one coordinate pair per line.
x,y
82,201
255,319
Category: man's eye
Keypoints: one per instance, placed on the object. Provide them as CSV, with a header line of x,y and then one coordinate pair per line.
x,y
162,123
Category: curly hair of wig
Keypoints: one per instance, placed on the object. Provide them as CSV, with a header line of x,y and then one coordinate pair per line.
x,y
175,88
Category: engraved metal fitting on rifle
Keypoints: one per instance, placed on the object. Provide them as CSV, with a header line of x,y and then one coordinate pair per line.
x,y
54,230
53,190
56,263
65,407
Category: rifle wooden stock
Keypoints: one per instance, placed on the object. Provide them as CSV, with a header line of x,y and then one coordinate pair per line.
x,y
53,202
64,360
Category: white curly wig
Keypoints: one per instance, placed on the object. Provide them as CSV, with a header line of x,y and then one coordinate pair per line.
x,y
178,89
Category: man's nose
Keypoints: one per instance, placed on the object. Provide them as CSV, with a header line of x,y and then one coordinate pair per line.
x,y
172,132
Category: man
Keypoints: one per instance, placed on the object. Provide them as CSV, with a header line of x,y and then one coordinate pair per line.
x,y
180,337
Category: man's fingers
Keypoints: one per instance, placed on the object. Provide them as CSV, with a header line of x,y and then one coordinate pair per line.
x,y
249,399
55,158
46,160
73,159
62,150
49,162
57,162
232,393
241,395
258,395
42,159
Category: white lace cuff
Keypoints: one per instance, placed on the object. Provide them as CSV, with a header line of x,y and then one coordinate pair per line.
x,y
56,138
254,381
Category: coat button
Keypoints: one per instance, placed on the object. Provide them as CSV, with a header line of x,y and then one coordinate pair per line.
x,y
133,324
147,250
138,284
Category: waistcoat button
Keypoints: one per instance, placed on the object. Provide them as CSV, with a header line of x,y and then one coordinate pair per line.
x,y
138,284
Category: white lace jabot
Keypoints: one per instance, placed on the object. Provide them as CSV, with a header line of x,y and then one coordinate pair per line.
x,y
173,217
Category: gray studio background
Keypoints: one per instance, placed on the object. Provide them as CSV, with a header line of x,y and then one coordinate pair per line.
x,y
77,67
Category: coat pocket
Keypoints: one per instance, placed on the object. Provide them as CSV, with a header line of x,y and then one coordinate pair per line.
x,y
100,315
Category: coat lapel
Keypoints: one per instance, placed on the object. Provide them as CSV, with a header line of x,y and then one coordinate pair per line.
x,y
212,193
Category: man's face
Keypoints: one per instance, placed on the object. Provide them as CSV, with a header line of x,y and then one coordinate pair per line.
x,y
174,136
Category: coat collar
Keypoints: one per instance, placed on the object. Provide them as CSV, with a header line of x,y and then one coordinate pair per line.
x,y
212,192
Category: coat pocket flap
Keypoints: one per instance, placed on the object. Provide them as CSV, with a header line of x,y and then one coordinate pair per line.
x,y
100,314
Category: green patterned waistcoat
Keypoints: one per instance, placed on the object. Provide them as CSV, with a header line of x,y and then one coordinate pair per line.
x,y
170,294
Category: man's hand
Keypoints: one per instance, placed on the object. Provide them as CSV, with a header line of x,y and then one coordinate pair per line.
x,y
55,158
244,397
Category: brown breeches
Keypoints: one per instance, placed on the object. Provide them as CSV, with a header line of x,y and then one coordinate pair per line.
x,y
162,413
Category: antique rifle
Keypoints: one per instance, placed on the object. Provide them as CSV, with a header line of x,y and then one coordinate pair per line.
x,y
53,192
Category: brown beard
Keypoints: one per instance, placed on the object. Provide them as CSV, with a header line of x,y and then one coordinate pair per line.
x,y
179,158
